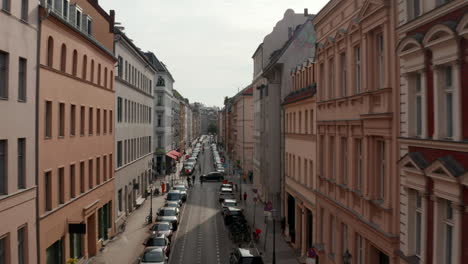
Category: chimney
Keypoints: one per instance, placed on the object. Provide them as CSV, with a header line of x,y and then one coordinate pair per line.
x,y
306,12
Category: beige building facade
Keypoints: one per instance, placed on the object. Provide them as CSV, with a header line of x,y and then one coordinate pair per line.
x,y
18,74
242,136
357,191
75,130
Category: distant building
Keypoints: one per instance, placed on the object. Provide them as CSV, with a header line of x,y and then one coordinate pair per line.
x,y
18,76
134,80
162,116
75,130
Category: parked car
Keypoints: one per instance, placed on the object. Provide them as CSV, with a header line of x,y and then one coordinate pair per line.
x,y
159,241
226,185
153,256
232,214
174,196
221,170
225,193
212,176
246,256
169,214
162,228
228,203
183,190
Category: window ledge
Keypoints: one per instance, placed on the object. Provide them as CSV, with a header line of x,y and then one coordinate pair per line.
x,y
24,21
4,98
47,138
6,11
22,101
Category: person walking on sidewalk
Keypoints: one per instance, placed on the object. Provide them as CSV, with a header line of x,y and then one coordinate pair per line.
x,y
245,197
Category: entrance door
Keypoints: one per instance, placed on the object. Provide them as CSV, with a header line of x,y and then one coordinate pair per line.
x,y
292,218
92,236
54,253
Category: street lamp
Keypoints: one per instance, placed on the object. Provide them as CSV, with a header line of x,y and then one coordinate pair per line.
x,y
347,257
150,217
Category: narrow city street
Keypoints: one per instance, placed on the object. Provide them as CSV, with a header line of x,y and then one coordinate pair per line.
x,y
201,237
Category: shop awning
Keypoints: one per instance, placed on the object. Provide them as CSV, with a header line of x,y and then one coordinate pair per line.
x,y
175,153
171,156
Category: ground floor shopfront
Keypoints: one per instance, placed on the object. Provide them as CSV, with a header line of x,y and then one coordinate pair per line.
x,y
342,234
79,228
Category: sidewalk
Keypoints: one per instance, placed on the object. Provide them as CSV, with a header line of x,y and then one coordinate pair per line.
x,y
285,254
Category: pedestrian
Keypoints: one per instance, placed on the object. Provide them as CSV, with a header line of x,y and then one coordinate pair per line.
x,y
245,197
193,179
250,176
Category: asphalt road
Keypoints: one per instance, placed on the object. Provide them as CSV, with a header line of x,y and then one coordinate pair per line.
x,y
201,236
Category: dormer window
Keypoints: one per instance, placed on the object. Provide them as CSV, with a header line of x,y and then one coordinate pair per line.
x,y
78,19
66,5
161,81
89,27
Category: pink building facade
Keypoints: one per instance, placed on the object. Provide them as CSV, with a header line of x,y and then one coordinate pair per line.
x,y
75,130
357,191
433,67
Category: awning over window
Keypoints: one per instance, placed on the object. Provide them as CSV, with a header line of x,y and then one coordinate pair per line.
x,y
171,156
175,153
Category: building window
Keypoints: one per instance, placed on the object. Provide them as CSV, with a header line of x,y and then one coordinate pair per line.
x,y
61,120
448,90
159,121
331,158
344,239
105,77
160,144
120,66
105,121
21,163
6,5
111,119
322,224
61,185
85,67
22,79
48,119
90,121
343,73
332,234
99,74
357,69
78,19
414,9
111,168
104,169
331,76
380,60
418,104
3,167
359,250
359,165
72,120
90,26
439,3
119,154
160,81
82,177
72,181
90,174
306,123
4,61
63,58
448,227
344,160
418,223
98,170
22,245
76,250
160,100
48,190
92,71
119,109
98,121
82,120
75,63
300,122
381,168
66,6
119,200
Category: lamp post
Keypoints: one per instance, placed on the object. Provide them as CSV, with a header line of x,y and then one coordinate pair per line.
x,y
151,205
347,257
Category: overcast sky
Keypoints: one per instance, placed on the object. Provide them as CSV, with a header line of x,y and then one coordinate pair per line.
x,y
206,44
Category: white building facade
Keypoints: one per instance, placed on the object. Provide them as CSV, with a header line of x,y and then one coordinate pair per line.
x,y
134,80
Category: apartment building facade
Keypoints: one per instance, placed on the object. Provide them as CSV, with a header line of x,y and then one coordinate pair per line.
x,y
242,137
433,74
357,193
134,81
18,75
75,130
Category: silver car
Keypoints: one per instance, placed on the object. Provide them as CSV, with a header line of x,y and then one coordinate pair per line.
x,y
153,256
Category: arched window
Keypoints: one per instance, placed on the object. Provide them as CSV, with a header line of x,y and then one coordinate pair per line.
x,y
99,74
63,59
75,62
105,77
85,67
160,81
50,52
92,71
111,80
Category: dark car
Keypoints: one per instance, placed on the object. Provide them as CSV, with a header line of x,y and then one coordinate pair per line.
x,y
159,241
212,176
174,196
182,189
233,214
162,228
169,214
246,256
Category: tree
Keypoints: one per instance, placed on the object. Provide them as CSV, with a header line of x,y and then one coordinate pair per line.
x,y
212,128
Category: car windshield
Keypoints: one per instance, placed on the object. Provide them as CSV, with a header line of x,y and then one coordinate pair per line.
x,y
230,204
173,196
174,205
164,212
252,260
153,256
161,227
156,242
180,188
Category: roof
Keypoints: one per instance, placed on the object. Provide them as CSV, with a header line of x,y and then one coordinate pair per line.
x,y
159,65
300,94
